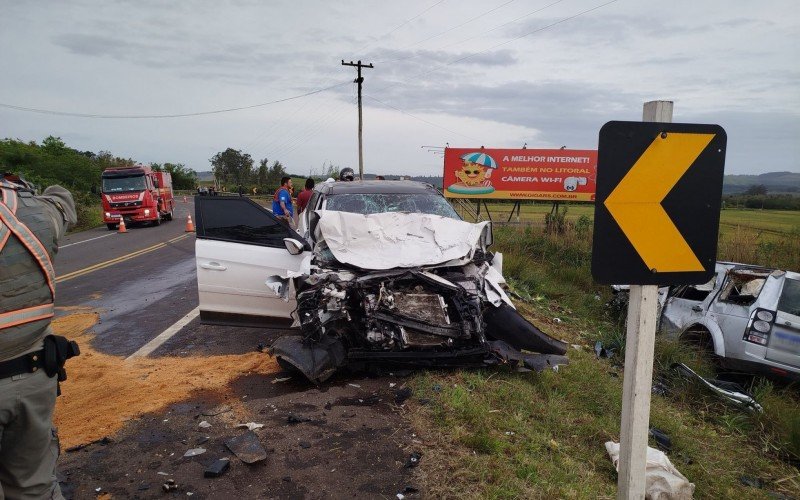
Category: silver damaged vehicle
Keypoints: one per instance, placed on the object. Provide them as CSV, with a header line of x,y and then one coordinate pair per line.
x,y
747,316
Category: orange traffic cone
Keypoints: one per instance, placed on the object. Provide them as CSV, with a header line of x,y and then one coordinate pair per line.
x,y
122,228
189,224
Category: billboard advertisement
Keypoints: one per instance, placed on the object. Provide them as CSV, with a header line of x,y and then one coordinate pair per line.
x,y
520,174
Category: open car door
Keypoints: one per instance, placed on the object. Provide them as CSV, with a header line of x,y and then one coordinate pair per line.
x,y
240,244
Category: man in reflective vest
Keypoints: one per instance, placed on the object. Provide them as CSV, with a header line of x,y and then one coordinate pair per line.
x,y
31,359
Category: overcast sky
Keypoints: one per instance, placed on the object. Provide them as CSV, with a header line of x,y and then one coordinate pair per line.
x,y
469,73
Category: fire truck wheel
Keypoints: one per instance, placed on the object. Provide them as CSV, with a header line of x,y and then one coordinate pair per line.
x,y
111,227
169,215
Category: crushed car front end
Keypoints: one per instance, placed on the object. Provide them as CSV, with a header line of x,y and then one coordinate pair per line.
x,y
411,289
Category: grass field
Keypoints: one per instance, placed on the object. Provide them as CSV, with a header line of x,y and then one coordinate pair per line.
x,y
499,434
783,221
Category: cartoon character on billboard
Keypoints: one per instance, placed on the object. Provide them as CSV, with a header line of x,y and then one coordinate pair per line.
x,y
474,175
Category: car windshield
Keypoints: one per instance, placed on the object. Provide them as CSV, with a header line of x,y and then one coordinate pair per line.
x,y
120,184
790,297
373,203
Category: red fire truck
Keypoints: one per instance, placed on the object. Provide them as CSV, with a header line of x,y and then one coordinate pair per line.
x,y
136,194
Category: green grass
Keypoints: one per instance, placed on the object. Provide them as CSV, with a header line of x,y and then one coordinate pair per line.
x,y
783,221
499,434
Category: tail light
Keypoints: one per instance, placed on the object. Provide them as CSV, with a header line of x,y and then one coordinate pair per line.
x,y
760,326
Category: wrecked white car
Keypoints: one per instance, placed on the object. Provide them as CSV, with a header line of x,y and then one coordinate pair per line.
x,y
386,274
748,316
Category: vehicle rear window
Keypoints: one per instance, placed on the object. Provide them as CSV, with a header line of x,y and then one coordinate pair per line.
x,y
241,220
373,203
790,297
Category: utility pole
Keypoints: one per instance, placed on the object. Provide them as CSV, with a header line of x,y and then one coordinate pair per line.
x,y
359,80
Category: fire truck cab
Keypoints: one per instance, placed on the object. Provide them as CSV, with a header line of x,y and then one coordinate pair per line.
x,y
136,194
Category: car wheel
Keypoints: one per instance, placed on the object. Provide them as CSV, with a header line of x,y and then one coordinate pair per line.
x,y
111,227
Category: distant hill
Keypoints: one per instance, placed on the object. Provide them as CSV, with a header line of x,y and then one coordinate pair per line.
x,y
775,182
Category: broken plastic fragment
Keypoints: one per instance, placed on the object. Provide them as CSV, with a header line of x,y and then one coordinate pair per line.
x,y
247,448
194,452
251,425
217,468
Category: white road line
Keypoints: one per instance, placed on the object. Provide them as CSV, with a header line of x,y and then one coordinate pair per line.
x,y
84,241
167,334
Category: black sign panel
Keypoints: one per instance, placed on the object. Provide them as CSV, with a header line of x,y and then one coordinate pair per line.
x,y
659,190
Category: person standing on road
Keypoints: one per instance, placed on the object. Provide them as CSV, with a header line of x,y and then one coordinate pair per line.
x,y
305,195
282,201
31,358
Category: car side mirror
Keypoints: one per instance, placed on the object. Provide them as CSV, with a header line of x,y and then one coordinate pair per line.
x,y
293,246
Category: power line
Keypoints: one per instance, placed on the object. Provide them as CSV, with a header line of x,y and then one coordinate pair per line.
x,y
421,119
447,31
402,24
483,34
182,115
473,54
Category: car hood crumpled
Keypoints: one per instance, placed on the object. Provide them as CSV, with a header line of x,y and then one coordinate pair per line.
x,y
397,239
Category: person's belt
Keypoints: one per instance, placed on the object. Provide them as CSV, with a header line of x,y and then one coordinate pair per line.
x,y
28,363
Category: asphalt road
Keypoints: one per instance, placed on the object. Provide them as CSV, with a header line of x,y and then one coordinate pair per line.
x,y
140,282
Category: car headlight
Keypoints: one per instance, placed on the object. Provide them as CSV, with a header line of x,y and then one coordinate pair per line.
x,y
765,316
761,326
146,212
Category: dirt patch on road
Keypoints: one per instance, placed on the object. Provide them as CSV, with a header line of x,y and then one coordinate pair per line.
x,y
103,392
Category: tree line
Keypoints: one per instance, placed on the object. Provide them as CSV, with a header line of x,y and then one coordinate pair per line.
x,y
232,168
53,162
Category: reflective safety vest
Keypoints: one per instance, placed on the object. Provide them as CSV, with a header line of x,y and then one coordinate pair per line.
x,y
11,225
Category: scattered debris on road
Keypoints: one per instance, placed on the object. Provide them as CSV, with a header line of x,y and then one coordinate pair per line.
x,y
169,485
194,452
413,460
295,419
401,395
247,448
251,426
217,468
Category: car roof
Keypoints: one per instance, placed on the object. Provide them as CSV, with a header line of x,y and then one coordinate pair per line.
x,y
369,187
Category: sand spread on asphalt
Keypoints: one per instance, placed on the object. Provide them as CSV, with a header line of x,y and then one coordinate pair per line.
x,y
103,392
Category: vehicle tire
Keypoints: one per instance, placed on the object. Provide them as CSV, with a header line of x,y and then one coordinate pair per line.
x,y
111,227
169,215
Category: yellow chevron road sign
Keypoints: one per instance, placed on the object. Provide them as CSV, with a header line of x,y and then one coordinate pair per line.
x,y
659,188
